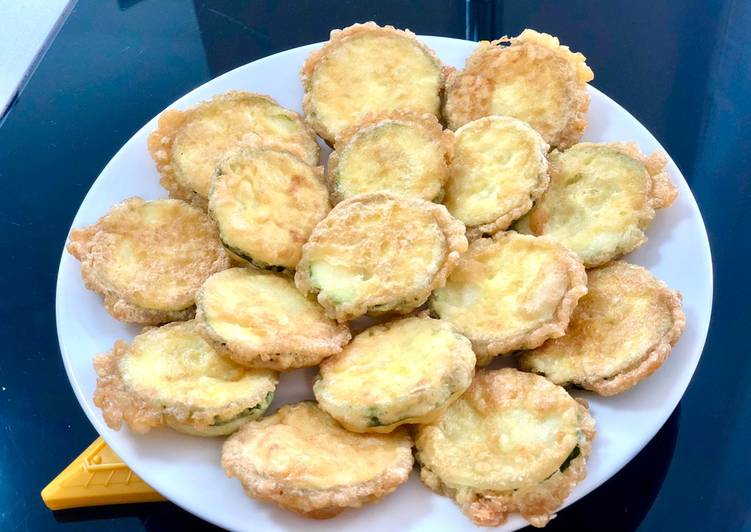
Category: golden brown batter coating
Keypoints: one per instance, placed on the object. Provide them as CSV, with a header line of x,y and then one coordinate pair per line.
x,y
264,321
266,203
511,292
148,259
531,77
514,442
366,69
404,371
621,332
187,145
304,461
171,376
498,169
376,253
601,199
399,152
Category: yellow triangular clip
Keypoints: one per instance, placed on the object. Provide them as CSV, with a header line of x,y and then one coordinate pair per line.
x,y
96,478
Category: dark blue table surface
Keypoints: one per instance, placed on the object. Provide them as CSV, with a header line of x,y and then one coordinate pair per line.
x,y
682,68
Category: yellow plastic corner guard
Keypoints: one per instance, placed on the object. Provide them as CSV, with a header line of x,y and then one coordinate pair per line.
x,y
96,478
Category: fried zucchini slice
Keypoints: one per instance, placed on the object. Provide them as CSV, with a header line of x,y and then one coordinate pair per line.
x,y
171,376
405,371
302,460
498,169
621,332
531,77
401,153
601,199
264,321
511,292
365,69
187,145
376,253
148,259
266,203
514,442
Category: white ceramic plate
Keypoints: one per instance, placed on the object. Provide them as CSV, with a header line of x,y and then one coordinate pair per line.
x,y
186,469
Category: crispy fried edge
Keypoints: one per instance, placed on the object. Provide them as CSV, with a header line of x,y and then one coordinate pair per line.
x,y
453,232
537,503
424,419
661,195
427,122
214,431
117,304
653,358
357,422
487,347
313,503
338,38
241,257
172,121
461,106
118,403
663,191
281,352
505,220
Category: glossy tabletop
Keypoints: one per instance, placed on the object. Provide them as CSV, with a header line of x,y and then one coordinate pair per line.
x,y
681,68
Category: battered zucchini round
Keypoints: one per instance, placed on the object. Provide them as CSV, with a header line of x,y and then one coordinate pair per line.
x,y
401,153
264,321
530,77
172,376
302,460
376,253
511,292
405,371
621,332
367,69
148,259
498,169
601,199
514,442
266,203
187,145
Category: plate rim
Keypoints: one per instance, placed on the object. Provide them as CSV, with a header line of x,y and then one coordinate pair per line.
x,y
705,249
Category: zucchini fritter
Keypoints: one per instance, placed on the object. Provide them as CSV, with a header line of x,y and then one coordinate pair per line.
x,y
621,332
264,321
187,145
302,460
266,203
514,442
531,77
498,169
511,292
601,199
405,371
148,259
171,376
376,253
401,153
365,69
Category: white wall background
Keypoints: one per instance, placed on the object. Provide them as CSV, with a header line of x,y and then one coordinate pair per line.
x,y
25,27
